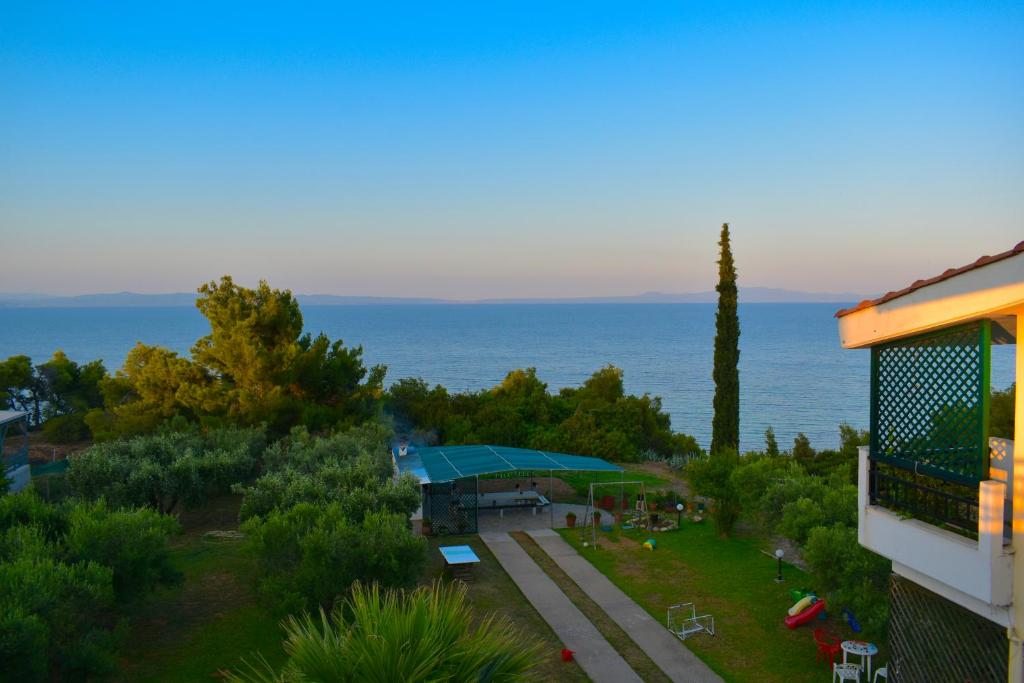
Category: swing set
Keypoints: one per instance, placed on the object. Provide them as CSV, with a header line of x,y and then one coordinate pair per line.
x,y
635,516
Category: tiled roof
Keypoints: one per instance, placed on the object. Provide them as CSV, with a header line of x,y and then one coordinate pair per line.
x,y
952,272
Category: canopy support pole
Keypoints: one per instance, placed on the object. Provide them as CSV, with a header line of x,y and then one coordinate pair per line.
x,y
551,499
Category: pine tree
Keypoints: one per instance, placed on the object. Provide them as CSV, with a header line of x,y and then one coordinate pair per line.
x,y
802,447
771,446
725,426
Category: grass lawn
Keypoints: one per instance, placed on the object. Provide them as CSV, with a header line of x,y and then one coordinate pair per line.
x,y
491,590
730,579
211,620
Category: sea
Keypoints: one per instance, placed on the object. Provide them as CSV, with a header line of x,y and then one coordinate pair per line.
x,y
794,376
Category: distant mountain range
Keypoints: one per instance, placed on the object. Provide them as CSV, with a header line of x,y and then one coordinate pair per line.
x,y
750,295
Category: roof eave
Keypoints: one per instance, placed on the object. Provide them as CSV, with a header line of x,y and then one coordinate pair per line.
x,y
978,292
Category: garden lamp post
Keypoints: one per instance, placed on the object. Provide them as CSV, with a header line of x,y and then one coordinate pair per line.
x,y
679,515
778,556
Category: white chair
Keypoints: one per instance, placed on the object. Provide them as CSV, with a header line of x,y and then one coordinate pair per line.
x,y
846,672
882,671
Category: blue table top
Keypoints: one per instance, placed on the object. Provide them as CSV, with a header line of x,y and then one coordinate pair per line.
x,y
458,554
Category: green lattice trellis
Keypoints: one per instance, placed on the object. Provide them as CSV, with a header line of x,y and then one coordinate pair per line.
x,y
930,403
451,507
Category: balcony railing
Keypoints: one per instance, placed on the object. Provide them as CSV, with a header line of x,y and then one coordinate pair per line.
x,y
923,529
899,491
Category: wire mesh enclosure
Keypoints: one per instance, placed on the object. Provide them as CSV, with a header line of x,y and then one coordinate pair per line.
x,y
933,639
930,403
451,506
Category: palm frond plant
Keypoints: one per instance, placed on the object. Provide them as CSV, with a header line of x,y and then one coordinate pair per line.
x,y
425,635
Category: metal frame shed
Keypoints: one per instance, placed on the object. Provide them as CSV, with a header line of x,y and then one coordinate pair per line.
x,y
449,476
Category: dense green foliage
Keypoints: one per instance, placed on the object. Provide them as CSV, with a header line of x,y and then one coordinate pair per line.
x,y
428,634
350,468
327,512
64,569
811,499
771,445
597,419
308,555
1003,407
164,470
57,394
712,477
725,424
255,367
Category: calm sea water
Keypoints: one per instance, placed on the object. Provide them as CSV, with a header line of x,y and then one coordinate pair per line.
x,y
793,374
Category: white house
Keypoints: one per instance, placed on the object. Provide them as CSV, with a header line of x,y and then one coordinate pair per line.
x,y
938,496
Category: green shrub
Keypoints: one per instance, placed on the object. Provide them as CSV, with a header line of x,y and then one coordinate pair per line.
x,y
66,428
713,477
351,468
162,471
55,607
854,577
132,543
63,569
308,555
799,517
27,510
429,634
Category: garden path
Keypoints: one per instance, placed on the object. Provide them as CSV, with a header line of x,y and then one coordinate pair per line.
x,y
663,648
595,655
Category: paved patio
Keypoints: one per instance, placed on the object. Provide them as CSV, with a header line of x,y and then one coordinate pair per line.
x,y
514,519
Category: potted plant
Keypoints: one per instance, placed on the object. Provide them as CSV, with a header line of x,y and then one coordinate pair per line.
x,y
425,527
570,519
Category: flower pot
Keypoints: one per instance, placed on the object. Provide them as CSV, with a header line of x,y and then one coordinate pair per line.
x,y
570,521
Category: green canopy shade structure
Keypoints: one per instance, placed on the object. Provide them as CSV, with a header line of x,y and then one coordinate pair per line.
x,y
448,463
449,477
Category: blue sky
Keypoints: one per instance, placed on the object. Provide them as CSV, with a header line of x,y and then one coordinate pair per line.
x,y
484,149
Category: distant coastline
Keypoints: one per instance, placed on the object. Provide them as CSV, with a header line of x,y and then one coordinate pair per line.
x,y
750,295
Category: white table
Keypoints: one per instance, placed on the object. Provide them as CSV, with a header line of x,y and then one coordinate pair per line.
x,y
862,649
510,499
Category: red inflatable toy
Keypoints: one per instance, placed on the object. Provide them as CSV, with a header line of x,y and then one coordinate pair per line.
x,y
807,615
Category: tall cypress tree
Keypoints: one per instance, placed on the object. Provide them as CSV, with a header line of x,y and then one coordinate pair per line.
x,y
725,426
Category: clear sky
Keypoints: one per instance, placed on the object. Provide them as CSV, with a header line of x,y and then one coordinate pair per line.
x,y
486,149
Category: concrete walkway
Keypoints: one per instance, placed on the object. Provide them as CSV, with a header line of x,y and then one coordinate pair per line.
x,y
664,649
595,654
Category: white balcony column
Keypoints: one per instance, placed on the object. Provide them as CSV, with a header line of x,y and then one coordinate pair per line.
x,y
1016,630
863,490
